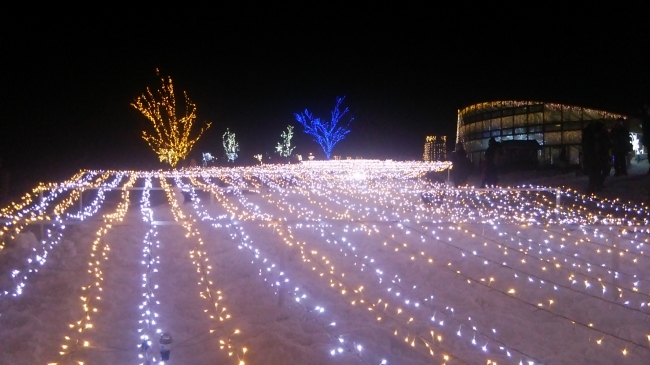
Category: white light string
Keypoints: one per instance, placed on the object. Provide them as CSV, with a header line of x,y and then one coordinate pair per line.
x,y
37,258
149,324
93,287
216,311
404,299
273,274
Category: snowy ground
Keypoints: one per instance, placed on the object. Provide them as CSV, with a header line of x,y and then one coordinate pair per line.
x,y
352,262
634,187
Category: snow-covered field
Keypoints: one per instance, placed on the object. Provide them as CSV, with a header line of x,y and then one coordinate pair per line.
x,y
633,187
348,262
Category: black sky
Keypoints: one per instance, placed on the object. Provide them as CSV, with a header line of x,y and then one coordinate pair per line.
x,y
66,79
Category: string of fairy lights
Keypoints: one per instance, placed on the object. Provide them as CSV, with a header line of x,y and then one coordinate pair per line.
x,y
499,234
216,310
22,207
561,247
272,273
37,257
626,303
149,324
90,209
371,234
399,293
570,264
551,286
618,275
29,211
93,287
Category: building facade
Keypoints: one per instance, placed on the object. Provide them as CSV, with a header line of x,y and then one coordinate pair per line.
x,y
556,128
435,148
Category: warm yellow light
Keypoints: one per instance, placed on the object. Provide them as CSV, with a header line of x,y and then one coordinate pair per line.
x,y
171,141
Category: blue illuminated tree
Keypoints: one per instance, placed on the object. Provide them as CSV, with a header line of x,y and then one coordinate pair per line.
x,y
326,134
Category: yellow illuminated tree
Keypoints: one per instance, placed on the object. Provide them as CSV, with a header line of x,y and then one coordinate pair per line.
x,y
171,141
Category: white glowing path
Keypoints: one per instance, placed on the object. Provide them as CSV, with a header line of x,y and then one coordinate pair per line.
x,y
470,277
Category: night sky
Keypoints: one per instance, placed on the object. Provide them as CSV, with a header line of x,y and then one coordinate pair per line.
x,y
66,80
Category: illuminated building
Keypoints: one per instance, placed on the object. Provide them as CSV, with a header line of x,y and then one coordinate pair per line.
x,y
435,148
554,127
